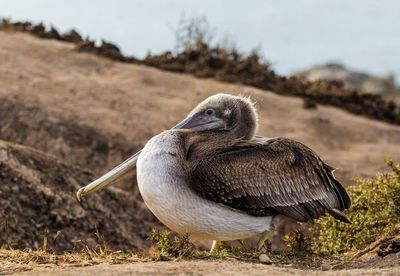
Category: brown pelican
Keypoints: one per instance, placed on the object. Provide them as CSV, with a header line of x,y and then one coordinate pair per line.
x,y
212,178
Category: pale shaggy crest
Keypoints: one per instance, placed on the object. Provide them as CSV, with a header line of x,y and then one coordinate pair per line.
x,y
227,112
252,103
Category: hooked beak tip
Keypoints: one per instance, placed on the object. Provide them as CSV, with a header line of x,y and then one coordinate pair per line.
x,y
109,178
79,194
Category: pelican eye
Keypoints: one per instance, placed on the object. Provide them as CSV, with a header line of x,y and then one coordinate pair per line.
x,y
210,111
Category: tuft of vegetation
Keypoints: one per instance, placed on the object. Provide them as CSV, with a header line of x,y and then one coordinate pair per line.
x,y
299,244
15,260
12,260
166,247
374,216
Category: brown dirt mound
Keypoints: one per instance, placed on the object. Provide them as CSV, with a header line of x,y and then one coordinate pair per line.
x,y
37,196
223,65
202,60
66,138
106,49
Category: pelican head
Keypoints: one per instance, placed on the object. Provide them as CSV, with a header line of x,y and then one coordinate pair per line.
x,y
232,117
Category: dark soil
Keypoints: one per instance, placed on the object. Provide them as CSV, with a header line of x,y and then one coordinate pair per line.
x,y
373,262
230,66
66,138
37,199
388,247
37,191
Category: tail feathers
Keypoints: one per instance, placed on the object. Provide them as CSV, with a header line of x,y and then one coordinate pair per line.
x,y
340,191
338,215
342,195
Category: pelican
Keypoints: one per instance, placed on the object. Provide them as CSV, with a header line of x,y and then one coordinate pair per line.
x,y
210,176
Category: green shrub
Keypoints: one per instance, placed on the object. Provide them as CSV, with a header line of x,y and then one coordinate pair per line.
x,y
375,211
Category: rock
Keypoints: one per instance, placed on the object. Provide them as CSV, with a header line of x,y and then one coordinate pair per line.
x,y
263,258
325,267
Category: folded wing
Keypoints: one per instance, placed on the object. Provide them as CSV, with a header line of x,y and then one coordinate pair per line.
x,y
269,177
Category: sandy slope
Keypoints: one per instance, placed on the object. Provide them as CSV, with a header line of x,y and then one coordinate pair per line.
x,y
93,112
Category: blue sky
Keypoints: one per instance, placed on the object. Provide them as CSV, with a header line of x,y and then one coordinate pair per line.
x,y
293,34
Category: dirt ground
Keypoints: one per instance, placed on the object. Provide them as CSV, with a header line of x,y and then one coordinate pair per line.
x,y
37,202
201,267
68,117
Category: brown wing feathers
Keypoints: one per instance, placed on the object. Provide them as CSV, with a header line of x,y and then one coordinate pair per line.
x,y
277,176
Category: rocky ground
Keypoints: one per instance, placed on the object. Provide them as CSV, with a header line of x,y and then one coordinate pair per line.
x,y
67,117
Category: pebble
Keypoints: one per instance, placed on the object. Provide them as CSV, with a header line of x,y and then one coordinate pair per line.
x,y
325,267
264,259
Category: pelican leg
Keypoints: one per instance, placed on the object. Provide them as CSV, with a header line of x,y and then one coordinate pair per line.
x,y
263,238
216,246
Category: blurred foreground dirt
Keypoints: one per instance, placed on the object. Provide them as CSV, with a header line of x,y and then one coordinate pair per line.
x,y
202,267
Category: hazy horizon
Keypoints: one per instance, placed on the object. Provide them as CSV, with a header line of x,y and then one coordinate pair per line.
x,y
293,35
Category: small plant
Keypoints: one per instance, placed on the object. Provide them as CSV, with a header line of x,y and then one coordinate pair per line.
x,y
45,239
375,212
101,244
298,244
167,246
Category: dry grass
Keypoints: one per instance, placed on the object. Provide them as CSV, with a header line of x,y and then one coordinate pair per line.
x,y
166,247
17,260
14,260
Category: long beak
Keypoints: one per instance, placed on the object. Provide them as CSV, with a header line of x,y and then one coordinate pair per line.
x,y
201,122
109,178
196,122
